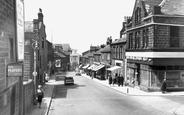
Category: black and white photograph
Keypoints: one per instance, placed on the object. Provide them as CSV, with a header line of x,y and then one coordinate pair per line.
x,y
91,57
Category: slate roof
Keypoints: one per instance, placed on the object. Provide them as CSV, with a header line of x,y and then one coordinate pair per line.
x,y
56,54
120,40
98,52
107,49
172,7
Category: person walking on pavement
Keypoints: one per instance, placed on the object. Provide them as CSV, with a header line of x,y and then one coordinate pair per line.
x,y
122,80
110,80
118,80
164,86
40,95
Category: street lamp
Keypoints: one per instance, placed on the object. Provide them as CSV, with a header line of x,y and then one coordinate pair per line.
x,y
35,46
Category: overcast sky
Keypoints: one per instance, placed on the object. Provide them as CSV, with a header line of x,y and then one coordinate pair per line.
x,y
80,22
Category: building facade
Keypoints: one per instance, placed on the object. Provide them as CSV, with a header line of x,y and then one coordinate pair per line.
x,y
74,60
155,44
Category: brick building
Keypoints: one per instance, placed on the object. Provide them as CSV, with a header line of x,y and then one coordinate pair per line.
x,y
35,31
155,44
10,87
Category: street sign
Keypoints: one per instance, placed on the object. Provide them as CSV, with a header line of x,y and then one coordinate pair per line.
x,y
15,70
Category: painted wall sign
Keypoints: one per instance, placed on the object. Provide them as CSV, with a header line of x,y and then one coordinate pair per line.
x,y
20,29
15,70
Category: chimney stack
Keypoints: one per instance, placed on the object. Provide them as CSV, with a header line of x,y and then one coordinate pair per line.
x,y
40,15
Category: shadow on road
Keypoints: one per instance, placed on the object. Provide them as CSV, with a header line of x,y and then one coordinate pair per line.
x,y
62,90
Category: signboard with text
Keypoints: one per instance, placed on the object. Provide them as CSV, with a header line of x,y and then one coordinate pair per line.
x,y
20,29
15,70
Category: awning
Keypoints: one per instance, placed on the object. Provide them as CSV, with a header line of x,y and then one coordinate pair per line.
x,y
80,65
84,67
114,68
91,67
98,67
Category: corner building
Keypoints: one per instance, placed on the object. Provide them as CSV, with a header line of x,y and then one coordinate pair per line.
x,y
155,44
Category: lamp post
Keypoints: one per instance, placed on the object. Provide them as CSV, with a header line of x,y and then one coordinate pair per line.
x,y
35,46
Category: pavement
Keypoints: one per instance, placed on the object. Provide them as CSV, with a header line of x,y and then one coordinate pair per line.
x,y
135,92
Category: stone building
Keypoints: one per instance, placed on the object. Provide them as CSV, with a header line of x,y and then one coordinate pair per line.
x,y
155,44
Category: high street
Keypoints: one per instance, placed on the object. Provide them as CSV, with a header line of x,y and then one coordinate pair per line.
x,y
87,97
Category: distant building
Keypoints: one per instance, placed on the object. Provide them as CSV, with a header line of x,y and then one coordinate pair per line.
x,y
74,59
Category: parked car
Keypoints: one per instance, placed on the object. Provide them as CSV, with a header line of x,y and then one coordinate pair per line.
x,y
68,80
78,74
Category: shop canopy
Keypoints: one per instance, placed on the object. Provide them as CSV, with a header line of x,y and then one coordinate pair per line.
x,y
84,67
80,65
91,67
114,68
98,67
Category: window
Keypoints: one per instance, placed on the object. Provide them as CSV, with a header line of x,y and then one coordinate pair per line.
x,y
108,56
174,36
138,15
130,40
42,42
137,39
11,46
117,52
145,38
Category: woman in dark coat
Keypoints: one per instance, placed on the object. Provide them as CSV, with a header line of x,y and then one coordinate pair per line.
x,y
164,86
110,80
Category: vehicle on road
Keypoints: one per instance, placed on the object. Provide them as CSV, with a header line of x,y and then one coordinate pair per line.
x,y
68,80
78,74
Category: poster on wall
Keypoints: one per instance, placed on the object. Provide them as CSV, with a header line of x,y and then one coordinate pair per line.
x,y
20,29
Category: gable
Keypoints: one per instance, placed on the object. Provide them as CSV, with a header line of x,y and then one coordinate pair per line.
x,y
143,8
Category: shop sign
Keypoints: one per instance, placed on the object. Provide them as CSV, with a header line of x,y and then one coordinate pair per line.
x,y
15,70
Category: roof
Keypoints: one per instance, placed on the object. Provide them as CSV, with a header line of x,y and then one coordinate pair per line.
x,y
29,26
107,49
172,7
120,40
98,52
56,54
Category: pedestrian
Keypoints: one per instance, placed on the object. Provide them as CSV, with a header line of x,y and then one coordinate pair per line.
x,y
122,80
164,86
114,79
118,79
110,80
40,95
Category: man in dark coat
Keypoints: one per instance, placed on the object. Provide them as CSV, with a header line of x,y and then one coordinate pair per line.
x,y
164,86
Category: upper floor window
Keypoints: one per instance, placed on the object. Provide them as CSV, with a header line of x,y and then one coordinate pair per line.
x,y
137,39
42,42
145,38
130,44
174,36
11,48
137,15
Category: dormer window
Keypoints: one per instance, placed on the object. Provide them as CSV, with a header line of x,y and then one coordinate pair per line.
x,y
138,15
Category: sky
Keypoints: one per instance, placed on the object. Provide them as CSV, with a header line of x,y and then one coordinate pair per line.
x,y
80,23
